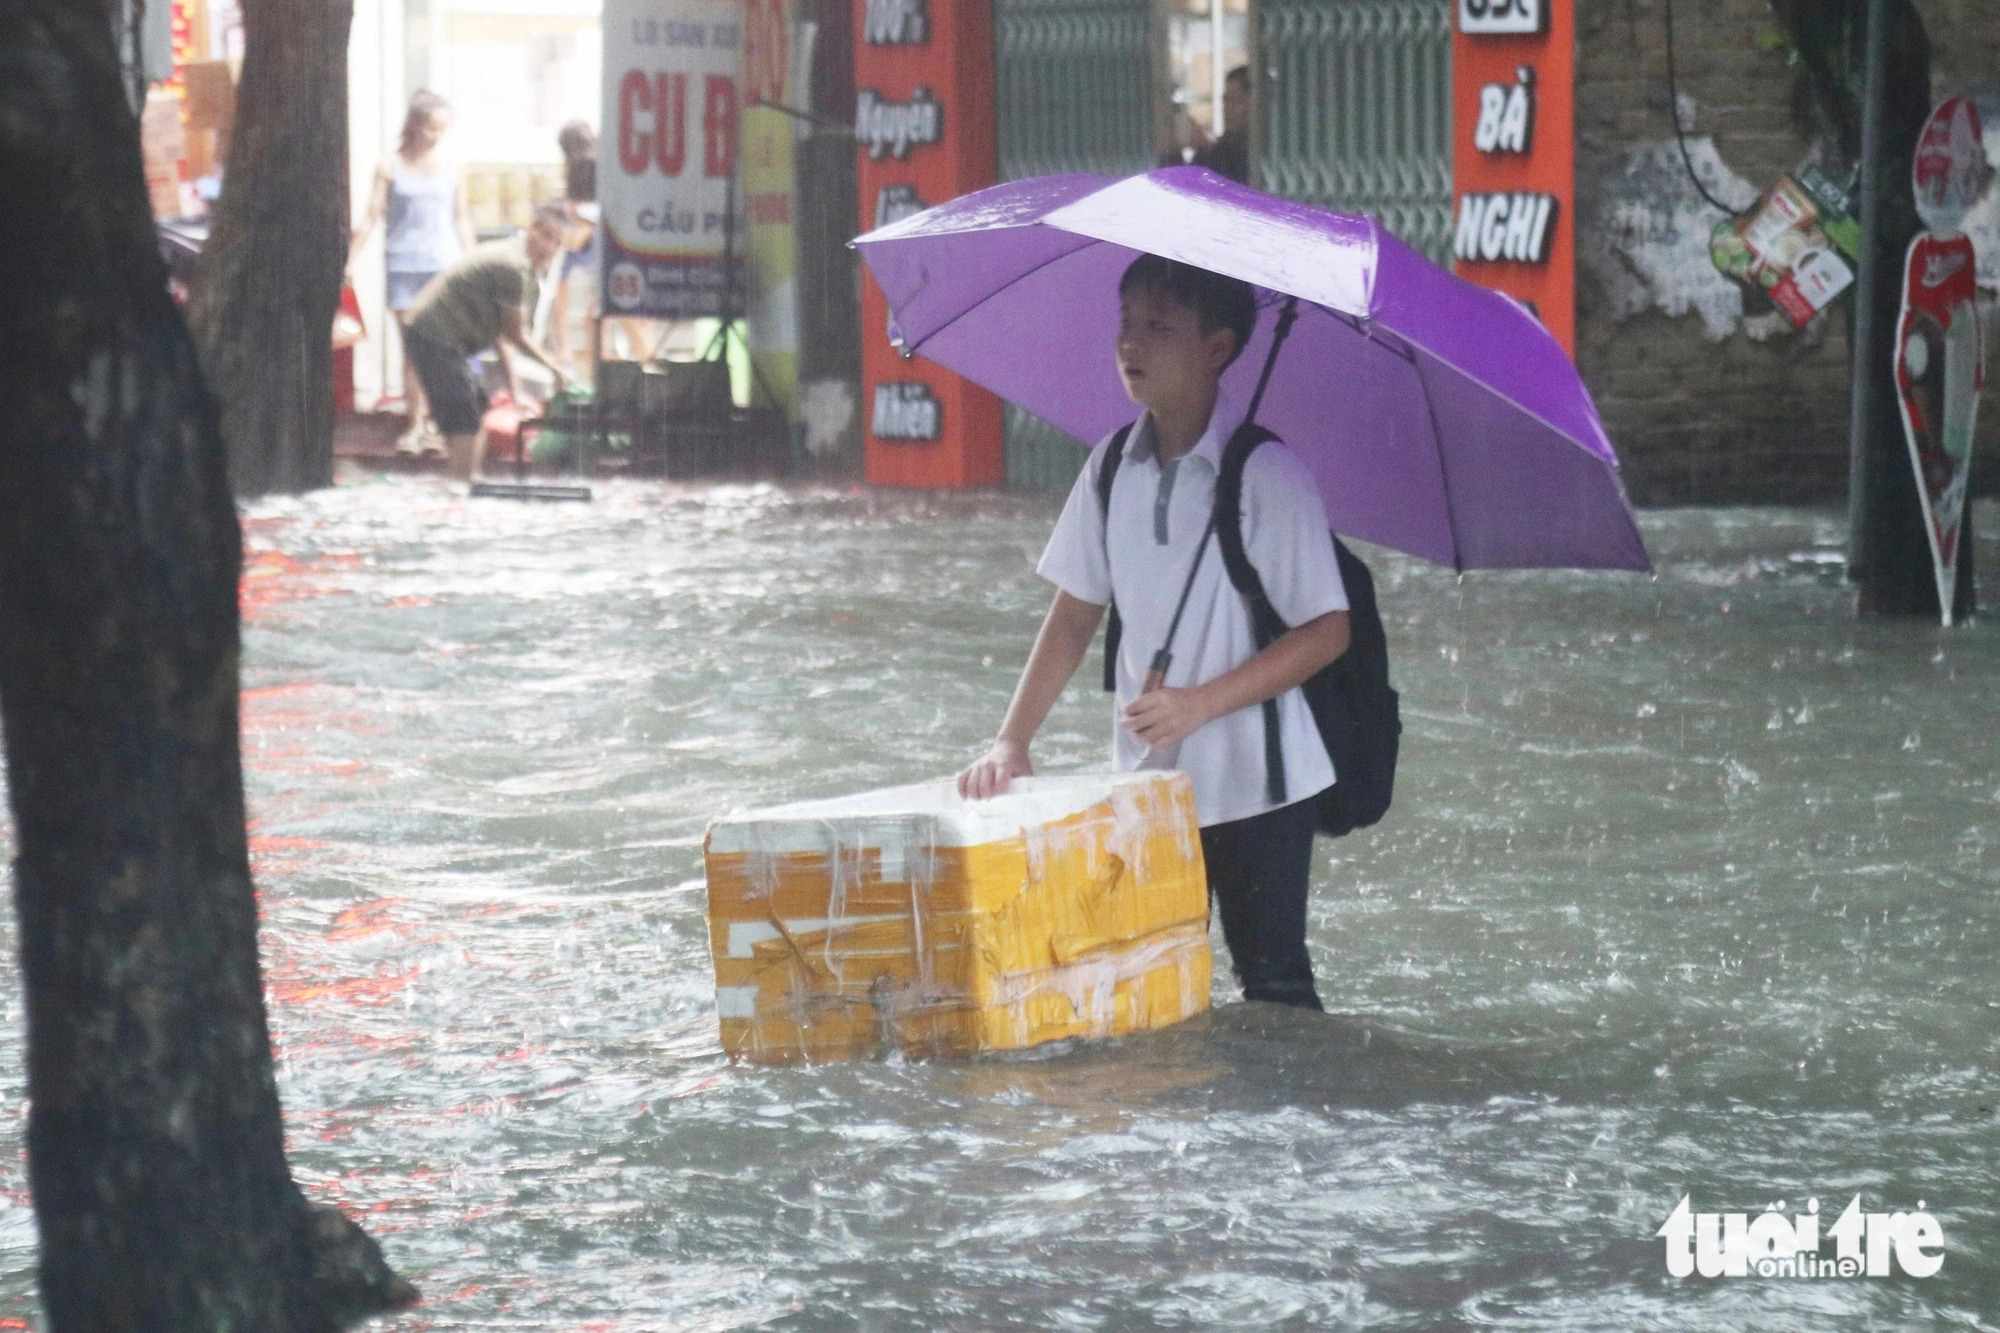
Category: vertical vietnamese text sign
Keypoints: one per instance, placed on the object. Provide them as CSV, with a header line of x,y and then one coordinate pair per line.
x,y
1514,153
923,125
770,193
667,154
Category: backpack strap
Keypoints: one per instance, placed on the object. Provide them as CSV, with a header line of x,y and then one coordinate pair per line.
x,y
1107,472
1266,627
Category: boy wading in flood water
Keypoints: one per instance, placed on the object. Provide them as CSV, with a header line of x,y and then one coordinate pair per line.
x,y
1179,327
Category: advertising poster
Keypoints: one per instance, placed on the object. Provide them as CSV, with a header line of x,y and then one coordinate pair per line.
x,y
672,69
770,188
1940,351
1795,245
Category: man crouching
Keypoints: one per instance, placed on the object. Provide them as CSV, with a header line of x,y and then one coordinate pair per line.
x,y
481,300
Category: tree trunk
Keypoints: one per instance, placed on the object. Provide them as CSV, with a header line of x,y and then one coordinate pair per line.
x,y
1896,577
155,1147
269,282
829,285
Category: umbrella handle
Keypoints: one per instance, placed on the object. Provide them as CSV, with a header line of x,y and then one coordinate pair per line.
x,y
1288,315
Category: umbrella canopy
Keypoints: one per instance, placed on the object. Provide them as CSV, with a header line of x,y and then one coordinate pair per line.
x,y
1438,417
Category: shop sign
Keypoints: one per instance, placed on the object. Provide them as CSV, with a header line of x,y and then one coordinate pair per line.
x,y
893,203
1514,154
924,134
1507,115
671,69
1493,227
768,190
906,410
1492,18
897,23
1940,353
767,51
894,128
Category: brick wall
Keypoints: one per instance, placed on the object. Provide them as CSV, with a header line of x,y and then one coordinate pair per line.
x,y
1710,403
1965,43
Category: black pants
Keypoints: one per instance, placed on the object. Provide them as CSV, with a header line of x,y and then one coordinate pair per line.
x,y
1259,870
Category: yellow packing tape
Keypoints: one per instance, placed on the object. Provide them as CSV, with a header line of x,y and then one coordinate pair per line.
x,y
909,920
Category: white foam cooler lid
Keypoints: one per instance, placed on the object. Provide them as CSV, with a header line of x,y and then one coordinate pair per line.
x,y
953,821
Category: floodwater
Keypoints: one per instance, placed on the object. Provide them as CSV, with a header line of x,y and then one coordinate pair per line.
x,y
1690,888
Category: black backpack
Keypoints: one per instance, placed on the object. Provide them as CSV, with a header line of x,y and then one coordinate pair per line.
x,y
1352,702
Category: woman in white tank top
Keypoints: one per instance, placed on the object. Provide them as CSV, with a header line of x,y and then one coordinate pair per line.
x,y
421,194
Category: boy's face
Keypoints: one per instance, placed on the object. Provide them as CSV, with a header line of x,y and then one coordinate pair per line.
x,y
1163,356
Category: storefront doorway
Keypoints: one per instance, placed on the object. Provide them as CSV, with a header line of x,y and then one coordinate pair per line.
x,y
1355,110
1352,110
1073,88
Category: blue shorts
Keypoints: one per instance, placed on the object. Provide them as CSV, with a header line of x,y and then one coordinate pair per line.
x,y
402,289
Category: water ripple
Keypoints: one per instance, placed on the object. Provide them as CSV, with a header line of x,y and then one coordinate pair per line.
x,y
1667,903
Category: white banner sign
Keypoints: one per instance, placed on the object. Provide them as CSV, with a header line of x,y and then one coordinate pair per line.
x,y
666,153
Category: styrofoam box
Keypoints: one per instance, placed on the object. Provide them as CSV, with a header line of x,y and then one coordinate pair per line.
x,y
909,919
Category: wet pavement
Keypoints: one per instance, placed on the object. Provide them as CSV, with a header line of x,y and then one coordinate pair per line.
x,y
1690,887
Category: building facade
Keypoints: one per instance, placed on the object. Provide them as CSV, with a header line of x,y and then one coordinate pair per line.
x,y
1710,393
1712,398
513,72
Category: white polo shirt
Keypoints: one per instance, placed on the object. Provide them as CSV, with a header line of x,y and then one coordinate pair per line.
x,y
1157,517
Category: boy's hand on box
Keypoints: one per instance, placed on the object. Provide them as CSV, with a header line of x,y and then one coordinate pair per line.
x,y
989,777
1163,716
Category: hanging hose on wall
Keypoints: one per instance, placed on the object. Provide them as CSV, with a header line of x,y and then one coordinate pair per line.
x,y
1674,110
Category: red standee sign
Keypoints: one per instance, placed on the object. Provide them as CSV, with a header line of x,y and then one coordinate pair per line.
x,y
1940,348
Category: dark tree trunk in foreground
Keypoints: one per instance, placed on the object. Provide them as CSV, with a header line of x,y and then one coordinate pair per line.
x,y
155,1149
269,282
829,287
1896,577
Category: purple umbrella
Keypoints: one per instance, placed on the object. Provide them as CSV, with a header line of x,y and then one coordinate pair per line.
x,y
1438,417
